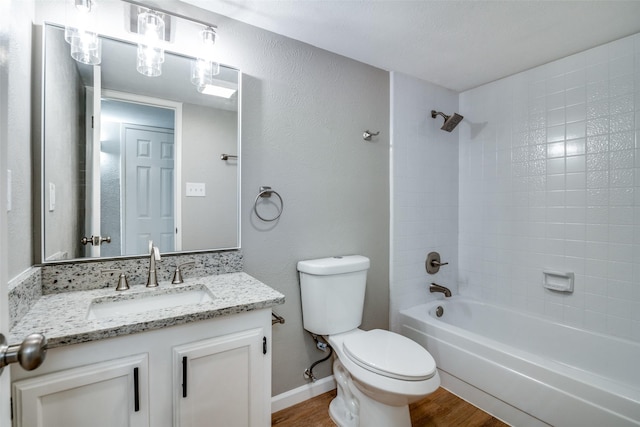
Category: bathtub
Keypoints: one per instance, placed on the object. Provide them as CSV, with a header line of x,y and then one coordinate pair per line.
x,y
526,370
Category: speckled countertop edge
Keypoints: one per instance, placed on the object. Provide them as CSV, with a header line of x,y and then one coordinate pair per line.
x,y
62,318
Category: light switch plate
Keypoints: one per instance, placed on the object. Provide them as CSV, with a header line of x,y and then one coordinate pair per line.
x,y
195,189
9,185
52,197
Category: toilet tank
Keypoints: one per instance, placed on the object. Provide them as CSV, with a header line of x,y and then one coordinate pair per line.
x,y
332,293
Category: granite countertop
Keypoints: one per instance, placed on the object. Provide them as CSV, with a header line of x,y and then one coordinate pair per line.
x,y
64,318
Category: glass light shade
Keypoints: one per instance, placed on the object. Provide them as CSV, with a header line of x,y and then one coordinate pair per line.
x,y
86,47
85,5
151,53
208,36
149,61
70,33
149,68
202,71
78,18
150,27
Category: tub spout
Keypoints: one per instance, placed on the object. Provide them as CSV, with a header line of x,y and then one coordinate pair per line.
x,y
438,288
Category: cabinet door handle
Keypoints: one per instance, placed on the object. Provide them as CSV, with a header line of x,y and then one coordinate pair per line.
x,y
136,391
184,376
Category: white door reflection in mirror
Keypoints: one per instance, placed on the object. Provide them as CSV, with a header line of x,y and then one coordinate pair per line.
x,y
148,189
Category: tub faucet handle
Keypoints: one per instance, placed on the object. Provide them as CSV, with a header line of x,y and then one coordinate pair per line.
x,y
433,263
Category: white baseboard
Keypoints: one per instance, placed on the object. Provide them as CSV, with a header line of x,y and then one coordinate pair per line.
x,y
302,393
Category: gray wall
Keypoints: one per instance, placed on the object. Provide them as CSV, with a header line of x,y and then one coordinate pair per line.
x,y
110,216
304,111
64,127
18,138
207,133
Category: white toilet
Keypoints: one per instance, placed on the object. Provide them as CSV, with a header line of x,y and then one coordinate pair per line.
x,y
379,373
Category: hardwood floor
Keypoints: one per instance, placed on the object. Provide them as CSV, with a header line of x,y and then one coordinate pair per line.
x,y
440,409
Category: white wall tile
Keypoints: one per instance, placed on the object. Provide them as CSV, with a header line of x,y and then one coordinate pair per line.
x,y
425,178
551,184
576,206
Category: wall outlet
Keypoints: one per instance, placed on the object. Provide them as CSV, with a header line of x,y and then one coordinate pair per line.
x,y
195,189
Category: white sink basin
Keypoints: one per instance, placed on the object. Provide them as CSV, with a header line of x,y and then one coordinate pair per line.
x,y
126,304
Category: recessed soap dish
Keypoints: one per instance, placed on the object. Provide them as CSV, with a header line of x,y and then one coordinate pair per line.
x,y
558,281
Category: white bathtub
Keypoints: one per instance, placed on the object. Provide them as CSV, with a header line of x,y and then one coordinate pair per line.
x,y
526,370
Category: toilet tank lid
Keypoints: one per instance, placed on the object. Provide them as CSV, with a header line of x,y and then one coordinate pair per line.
x,y
334,265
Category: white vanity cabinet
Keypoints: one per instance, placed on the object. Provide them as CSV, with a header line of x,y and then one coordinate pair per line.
x,y
226,362
218,387
98,395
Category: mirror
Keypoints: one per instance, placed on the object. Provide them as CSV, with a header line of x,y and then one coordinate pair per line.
x,y
128,158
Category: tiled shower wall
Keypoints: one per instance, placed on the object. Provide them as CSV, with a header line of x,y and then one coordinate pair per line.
x,y
550,179
424,191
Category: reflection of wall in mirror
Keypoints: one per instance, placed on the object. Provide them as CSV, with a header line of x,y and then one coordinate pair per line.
x,y
209,221
110,187
65,153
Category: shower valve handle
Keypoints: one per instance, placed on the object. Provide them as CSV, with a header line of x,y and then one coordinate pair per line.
x,y
433,263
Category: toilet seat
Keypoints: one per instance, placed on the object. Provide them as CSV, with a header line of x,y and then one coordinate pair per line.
x,y
390,354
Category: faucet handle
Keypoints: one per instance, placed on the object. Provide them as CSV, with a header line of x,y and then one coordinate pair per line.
x,y
433,263
177,275
123,283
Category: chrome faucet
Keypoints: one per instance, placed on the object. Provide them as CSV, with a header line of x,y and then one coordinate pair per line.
x,y
154,255
438,288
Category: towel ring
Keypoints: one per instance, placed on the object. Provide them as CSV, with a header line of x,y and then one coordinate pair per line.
x,y
266,192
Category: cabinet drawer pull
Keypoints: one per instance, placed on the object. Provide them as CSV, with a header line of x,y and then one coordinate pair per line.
x,y
184,376
136,391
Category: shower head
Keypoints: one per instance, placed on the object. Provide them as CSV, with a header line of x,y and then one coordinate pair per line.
x,y
450,122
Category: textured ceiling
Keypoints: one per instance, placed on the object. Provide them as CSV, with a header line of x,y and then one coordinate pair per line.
x,y
455,44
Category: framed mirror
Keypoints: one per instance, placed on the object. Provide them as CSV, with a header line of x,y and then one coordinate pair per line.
x,y
128,158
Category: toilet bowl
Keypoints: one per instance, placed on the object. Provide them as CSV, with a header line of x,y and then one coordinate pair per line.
x,y
378,373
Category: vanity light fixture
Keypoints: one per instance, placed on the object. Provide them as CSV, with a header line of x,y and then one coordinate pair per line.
x,y
150,51
86,46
